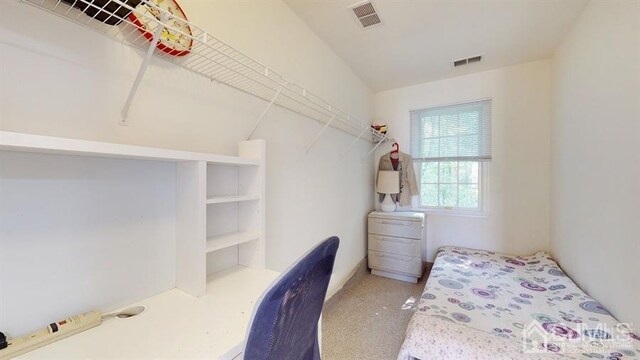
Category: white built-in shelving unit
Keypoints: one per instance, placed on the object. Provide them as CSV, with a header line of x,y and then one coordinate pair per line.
x,y
220,254
220,211
235,213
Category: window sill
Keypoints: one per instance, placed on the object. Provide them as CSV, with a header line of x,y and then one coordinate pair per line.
x,y
453,212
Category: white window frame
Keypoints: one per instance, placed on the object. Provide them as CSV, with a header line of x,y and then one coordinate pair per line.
x,y
483,199
483,181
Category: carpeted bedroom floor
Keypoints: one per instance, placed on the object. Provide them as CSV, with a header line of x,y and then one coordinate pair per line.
x,y
365,320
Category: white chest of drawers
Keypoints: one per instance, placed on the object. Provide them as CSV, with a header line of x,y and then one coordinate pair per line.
x,y
395,244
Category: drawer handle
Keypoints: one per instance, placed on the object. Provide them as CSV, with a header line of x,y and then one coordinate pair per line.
x,y
395,257
381,238
393,223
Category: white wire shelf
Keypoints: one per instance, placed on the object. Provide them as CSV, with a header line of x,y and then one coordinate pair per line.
x,y
204,55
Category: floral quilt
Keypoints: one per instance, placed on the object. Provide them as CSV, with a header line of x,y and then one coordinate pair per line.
x,y
483,305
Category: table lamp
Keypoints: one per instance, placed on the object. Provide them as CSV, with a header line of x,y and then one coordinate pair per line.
x,y
388,183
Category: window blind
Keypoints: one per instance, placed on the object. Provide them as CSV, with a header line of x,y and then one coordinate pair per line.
x,y
452,133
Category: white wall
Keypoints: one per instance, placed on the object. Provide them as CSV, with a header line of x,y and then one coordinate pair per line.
x,y
59,79
80,231
596,166
517,220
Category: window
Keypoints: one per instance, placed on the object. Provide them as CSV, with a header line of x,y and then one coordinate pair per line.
x,y
451,184
450,145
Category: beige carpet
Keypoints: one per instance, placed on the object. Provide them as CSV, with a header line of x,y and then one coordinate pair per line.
x,y
366,320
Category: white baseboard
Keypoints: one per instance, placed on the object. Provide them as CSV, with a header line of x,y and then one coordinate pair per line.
x,y
358,271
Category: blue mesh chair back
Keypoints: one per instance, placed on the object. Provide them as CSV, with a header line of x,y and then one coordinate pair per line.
x,y
285,323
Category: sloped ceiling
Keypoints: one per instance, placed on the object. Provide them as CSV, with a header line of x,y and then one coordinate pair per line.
x,y
418,40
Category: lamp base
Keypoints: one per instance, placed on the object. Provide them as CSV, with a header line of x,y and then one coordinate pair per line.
x,y
387,204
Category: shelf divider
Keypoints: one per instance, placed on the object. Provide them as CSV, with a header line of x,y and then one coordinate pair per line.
x,y
231,198
219,242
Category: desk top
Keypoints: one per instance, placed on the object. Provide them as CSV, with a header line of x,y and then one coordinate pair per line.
x,y
175,324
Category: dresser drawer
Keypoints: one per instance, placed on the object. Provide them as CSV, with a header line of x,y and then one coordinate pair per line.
x,y
395,245
396,263
396,227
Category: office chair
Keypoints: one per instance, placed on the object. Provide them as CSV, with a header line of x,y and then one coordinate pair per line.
x,y
285,323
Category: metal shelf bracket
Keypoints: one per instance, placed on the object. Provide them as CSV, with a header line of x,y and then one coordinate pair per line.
x,y
264,113
319,134
374,148
346,151
143,68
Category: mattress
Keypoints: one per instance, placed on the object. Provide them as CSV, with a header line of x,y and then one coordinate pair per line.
x,y
483,305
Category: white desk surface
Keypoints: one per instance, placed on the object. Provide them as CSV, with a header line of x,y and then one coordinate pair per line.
x,y
174,325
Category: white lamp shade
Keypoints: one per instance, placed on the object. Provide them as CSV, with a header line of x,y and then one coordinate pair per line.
x,y
388,182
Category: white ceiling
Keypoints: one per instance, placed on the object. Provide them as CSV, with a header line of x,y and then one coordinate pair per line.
x,y
418,40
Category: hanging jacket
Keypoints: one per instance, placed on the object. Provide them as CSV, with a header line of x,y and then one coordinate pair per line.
x,y
408,183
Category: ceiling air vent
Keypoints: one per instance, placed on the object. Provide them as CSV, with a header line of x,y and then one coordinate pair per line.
x,y
471,60
366,14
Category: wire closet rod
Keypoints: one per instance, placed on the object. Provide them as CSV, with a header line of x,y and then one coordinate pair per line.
x,y
207,56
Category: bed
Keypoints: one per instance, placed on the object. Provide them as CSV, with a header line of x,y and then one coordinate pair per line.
x,y
483,305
